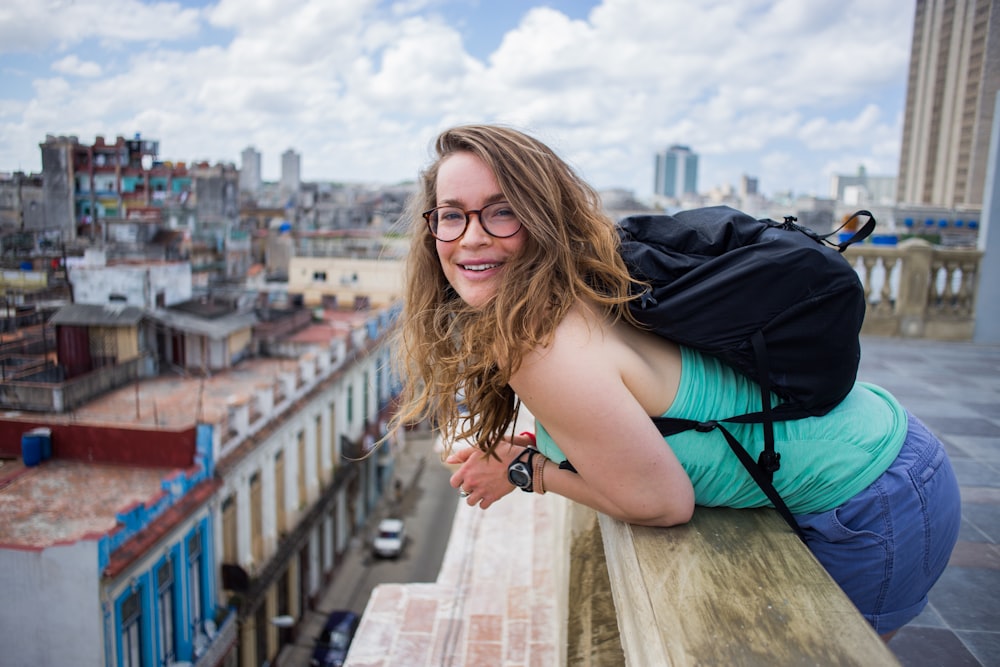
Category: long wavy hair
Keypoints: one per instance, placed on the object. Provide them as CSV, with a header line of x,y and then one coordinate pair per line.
x,y
456,361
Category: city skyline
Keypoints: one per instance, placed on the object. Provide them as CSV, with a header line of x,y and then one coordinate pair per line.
x,y
790,93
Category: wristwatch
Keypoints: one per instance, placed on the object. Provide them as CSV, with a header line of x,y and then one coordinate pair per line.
x,y
520,470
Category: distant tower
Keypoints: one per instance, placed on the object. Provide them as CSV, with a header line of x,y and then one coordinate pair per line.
x,y
676,172
250,178
748,186
290,173
950,94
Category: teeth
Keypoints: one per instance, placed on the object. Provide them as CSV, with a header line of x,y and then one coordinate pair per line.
x,y
479,267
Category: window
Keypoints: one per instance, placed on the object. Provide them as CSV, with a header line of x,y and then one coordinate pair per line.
x,y
279,491
319,276
229,552
131,637
332,443
350,404
366,390
117,298
302,468
319,448
256,520
165,612
194,580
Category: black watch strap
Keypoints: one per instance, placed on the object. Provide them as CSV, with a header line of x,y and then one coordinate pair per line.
x,y
520,472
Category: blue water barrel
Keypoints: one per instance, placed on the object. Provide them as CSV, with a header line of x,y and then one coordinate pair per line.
x,y
31,449
44,435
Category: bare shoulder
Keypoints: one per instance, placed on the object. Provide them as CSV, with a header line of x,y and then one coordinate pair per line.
x,y
590,352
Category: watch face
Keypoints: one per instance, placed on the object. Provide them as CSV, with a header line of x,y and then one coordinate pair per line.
x,y
519,475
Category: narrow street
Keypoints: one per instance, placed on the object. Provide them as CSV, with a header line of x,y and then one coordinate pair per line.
x,y
427,506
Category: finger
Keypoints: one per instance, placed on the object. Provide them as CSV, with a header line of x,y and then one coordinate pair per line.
x,y
459,455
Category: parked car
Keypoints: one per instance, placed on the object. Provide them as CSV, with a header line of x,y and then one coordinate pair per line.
x,y
390,538
331,646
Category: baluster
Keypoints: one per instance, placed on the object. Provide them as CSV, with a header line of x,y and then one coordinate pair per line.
x,y
933,295
885,305
968,287
867,265
948,298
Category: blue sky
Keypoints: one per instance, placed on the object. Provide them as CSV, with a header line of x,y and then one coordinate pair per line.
x,y
788,91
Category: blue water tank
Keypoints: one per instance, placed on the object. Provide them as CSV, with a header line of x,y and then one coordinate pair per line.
x,y
31,449
36,446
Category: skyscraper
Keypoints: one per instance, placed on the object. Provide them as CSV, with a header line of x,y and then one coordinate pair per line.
x,y
250,177
950,97
290,173
676,172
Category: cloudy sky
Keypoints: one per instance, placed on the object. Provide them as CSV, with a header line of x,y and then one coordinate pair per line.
x,y
789,91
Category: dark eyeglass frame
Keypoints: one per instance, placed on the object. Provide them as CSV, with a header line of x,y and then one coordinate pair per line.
x,y
426,215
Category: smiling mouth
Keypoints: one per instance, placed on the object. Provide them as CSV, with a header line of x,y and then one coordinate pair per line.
x,y
479,267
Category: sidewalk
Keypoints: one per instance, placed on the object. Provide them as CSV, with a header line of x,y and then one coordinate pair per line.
x,y
955,389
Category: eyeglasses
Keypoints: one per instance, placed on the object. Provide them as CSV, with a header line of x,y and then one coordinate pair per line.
x,y
448,223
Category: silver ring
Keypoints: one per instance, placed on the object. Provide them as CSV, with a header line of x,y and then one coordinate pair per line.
x,y
462,493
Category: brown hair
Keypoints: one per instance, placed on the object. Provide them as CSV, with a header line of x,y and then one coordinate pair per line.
x,y
453,355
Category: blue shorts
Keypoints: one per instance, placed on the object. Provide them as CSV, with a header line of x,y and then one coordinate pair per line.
x,y
887,545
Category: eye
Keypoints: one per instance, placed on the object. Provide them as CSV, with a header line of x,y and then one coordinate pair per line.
x,y
502,211
451,215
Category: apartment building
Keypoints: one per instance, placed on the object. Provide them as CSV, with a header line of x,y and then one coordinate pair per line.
x,y
173,518
951,93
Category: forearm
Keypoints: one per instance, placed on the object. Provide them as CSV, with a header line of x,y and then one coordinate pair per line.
x,y
665,506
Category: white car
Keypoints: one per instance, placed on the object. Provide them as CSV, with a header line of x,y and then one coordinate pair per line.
x,y
390,538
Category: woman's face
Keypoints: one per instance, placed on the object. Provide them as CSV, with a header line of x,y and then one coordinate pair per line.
x,y
475,263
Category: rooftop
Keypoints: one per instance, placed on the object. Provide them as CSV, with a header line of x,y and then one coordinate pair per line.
x,y
62,502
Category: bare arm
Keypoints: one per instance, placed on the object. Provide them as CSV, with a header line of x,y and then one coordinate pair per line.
x,y
577,389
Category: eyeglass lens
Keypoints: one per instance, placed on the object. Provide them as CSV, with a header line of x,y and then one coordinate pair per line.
x,y
448,223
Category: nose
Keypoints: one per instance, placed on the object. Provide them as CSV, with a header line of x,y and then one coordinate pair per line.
x,y
474,232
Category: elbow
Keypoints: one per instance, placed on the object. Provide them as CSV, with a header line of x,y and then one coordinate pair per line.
x,y
675,515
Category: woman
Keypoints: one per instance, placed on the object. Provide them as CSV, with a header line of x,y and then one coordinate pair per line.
x,y
515,292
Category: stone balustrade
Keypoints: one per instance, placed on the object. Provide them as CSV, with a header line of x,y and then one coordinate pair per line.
x,y
917,290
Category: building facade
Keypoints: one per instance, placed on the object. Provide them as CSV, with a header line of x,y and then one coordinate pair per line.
x,y
291,175
173,517
250,174
951,93
676,172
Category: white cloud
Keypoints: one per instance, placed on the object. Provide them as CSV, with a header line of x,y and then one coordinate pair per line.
x,y
72,65
780,90
36,26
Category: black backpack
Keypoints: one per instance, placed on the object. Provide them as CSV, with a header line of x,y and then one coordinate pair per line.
x,y
775,301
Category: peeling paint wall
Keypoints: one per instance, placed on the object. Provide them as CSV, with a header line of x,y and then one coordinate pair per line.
x,y
133,285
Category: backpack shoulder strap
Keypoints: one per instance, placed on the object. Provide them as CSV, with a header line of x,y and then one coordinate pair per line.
x,y
669,426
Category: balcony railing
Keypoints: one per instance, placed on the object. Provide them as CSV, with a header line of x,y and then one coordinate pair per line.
x,y
917,290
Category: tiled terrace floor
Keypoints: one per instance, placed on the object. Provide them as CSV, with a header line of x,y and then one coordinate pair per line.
x,y
955,389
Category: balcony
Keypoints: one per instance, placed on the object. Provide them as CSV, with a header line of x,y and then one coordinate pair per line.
x,y
917,290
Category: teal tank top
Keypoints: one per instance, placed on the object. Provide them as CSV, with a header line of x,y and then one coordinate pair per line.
x,y
824,460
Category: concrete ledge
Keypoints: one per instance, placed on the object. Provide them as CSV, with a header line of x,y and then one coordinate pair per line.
x,y
733,587
500,598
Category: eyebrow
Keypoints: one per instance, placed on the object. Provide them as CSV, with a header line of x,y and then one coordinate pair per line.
x,y
492,199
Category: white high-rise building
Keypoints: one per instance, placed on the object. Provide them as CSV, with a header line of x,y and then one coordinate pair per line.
x,y
290,173
250,178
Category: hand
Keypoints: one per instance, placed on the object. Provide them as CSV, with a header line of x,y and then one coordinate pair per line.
x,y
484,477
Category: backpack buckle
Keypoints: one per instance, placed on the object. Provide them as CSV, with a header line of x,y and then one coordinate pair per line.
x,y
769,462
